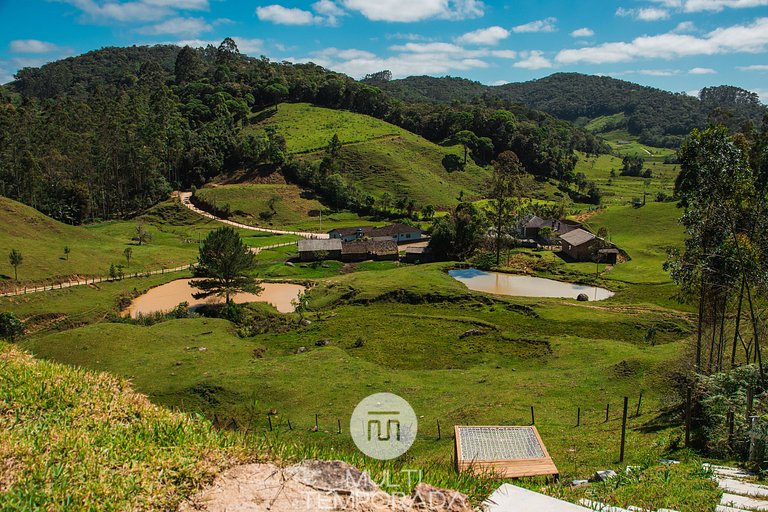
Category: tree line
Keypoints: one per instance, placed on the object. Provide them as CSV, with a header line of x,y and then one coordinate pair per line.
x,y
109,133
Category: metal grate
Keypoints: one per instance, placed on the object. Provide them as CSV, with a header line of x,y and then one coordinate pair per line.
x,y
499,443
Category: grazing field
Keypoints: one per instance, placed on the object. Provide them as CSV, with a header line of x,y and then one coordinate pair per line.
x,y
283,207
175,233
398,330
378,157
619,189
625,144
646,234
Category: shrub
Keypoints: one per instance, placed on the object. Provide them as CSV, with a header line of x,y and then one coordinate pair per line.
x,y
11,327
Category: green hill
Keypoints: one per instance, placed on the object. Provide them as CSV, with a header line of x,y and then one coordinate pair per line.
x,y
659,118
377,156
93,248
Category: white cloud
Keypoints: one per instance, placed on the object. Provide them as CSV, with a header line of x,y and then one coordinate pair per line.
x,y
545,25
485,36
684,26
754,67
702,71
499,82
504,54
695,93
583,32
711,5
190,27
410,10
329,8
33,46
752,38
286,16
763,93
644,14
533,60
134,11
408,59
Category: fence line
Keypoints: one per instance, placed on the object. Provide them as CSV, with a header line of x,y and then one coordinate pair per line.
x,y
94,280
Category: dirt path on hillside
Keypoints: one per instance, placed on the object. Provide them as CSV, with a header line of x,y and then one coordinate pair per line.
x,y
185,200
312,486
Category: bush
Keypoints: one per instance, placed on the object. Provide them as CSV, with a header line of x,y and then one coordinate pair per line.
x,y
11,327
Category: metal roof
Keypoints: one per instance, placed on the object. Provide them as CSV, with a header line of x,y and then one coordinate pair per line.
x,y
577,237
333,244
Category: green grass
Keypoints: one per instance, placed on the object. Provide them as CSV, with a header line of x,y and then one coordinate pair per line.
x,y
291,210
552,354
378,156
307,128
624,189
600,124
646,234
625,144
74,440
41,240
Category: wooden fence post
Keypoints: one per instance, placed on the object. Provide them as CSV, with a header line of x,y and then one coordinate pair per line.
x,y
624,429
533,417
439,433
607,408
578,417
269,418
688,413
639,401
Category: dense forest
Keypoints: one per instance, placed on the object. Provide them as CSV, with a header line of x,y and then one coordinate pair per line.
x,y
659,118
111,132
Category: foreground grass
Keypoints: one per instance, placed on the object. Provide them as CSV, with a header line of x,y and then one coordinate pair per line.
x,y
71,439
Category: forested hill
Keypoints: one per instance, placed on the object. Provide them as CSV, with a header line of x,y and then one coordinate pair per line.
x,y
659,118
109,133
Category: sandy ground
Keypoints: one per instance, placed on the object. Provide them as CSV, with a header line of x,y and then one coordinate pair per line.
x,y
166,297
314,486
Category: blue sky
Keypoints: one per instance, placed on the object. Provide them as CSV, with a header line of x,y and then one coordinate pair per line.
x,y
677,45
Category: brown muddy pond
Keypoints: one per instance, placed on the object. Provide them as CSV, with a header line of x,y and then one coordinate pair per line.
x,y
166,297
525,286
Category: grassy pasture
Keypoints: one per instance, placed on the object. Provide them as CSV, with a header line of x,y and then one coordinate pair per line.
x,y
378,156
623,189
41,240
291,209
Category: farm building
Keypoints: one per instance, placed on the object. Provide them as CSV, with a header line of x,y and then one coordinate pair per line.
x,y
363,250
310,250
533,227
419,255
398,232
350,234
581,245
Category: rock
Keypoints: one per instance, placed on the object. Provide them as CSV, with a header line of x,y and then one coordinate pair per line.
x,y
583,297
301,350
202,349
471,332
332,476
433,499
602,476
579,483
322,343
289,264
306,322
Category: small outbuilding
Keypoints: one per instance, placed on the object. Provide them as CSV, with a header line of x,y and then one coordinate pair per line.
x,y
579,244
400,233
419,255
312,250
532,228
351,234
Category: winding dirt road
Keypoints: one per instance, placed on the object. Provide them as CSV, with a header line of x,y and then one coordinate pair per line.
x,y
185,200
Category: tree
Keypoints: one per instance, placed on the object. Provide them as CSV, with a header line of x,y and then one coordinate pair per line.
x,y
505,195
142,235
452,163
15,258
10,327
428,212
459,234
66,252
467,139
223,265
128,252
189,66
334,146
